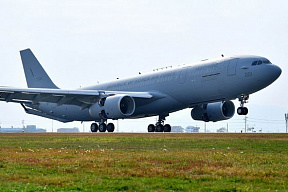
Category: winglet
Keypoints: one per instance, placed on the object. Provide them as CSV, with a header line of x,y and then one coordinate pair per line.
x,y
36,76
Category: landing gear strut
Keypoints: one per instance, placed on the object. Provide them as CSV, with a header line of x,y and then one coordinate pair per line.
x,y
243,110
159,126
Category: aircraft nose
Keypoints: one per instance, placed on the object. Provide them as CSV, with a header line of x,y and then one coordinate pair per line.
x,y
269,74
275,72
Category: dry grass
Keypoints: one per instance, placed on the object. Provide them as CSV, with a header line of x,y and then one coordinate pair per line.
x,y
144,162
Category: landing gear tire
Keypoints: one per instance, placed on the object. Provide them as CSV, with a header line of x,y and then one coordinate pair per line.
x,y
94,127
151,128
242,110
110,127
243,99
245,111
159,128
102,127
167,128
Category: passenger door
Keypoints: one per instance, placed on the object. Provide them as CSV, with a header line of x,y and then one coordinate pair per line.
x,y
231,70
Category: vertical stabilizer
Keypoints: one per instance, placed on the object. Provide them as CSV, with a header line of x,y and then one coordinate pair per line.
x,y
36,77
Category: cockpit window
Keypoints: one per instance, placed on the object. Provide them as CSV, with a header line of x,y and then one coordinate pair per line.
x,y
260,62
266,61
254,63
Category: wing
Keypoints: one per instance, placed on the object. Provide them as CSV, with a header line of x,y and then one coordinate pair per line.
x,y
82,98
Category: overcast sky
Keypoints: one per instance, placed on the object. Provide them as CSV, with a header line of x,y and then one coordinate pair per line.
x,y
80,43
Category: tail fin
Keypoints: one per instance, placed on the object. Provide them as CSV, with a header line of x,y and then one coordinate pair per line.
x,y
36,77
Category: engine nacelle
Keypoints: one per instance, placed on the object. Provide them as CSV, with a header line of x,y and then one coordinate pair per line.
x,y
113,107
214,111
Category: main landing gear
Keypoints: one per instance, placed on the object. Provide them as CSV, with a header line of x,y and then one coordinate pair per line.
x,y
243,110
102,127
159,126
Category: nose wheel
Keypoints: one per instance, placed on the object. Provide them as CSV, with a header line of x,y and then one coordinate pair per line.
x,y
243,110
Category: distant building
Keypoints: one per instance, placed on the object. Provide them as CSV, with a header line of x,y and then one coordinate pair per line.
x,y
33,129
68,130
251,129
192,129
177,129
222,130
11,130
27,129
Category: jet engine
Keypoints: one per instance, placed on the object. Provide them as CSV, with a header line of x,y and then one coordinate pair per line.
x,y
113,107
214,111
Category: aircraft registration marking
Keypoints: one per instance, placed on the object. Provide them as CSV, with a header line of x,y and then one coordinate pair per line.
x,y
248,74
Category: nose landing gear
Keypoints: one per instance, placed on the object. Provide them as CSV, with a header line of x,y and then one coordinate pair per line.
x,y
243,110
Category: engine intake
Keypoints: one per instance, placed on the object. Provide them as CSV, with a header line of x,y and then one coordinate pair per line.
x,y
113,107
214,111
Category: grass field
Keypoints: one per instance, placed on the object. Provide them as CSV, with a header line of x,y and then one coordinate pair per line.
x,y
143,162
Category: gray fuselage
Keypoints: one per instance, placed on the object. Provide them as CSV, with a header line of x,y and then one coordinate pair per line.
x,y
183,87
